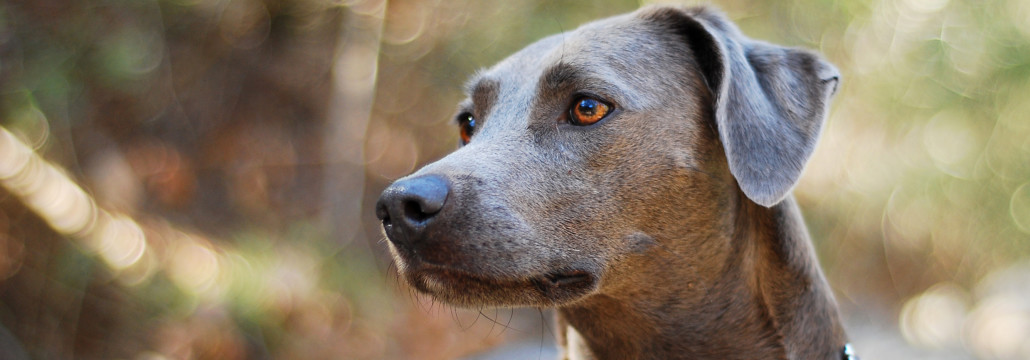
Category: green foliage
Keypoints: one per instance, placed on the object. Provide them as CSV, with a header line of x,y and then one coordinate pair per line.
x,y
214,112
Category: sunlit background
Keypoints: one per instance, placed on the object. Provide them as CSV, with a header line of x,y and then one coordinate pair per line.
x,y
193,179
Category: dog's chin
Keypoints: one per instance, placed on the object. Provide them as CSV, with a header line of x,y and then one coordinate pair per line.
x,y
464,289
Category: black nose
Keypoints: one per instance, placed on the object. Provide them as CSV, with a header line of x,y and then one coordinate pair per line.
x,y
408,205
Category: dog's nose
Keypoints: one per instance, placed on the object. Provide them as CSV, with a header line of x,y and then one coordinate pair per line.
x,y
408,205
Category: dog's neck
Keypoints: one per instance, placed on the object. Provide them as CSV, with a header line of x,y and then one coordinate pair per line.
x,y
767,300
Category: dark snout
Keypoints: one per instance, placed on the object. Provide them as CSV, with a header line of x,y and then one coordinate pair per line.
x,y
407,206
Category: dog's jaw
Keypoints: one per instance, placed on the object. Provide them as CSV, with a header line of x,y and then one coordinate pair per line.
x,y
466,289
769,321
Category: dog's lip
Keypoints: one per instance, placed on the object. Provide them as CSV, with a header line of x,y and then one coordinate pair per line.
x,y
555,278
568,277
436,278
441,280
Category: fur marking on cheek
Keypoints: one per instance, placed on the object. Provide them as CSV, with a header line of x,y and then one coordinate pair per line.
x,y
639,242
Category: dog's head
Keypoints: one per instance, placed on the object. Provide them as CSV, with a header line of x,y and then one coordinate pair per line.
x,y
592,158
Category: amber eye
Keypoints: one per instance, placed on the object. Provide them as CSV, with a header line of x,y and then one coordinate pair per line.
x,y
587,111
467,126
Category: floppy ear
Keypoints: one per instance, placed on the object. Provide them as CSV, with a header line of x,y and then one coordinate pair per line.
x,y
770,101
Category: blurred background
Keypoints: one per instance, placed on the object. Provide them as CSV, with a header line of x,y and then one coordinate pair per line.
x,y
194,179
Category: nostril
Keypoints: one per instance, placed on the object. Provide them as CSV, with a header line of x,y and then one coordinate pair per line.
x,y
414,211
426,196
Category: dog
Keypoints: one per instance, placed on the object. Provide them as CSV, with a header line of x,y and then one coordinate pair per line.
x,y
634,174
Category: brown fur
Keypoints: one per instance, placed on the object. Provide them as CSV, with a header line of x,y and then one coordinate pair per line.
x,y
641,229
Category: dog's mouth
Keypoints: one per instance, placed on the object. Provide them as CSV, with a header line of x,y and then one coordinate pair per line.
x,y
463,288
570,278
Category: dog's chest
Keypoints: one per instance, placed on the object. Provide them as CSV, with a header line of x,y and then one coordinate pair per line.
x,y
575,346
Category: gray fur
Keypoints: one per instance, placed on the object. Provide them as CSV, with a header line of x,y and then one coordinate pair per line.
x,y
665,230
770,104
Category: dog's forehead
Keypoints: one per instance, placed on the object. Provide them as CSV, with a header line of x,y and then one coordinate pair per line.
x,y
623,51
596,45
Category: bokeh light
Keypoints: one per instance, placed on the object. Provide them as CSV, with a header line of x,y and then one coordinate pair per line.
x,y
194,179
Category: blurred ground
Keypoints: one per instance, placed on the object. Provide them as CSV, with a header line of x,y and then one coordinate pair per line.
x,y
193,179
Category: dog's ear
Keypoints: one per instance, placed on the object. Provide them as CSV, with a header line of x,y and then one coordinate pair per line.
x,y
770,101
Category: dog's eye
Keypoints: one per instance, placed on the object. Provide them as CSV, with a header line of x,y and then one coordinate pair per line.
x,y
586,111
467,126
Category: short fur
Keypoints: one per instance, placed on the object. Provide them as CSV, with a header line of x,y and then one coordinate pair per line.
x,y
664,231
